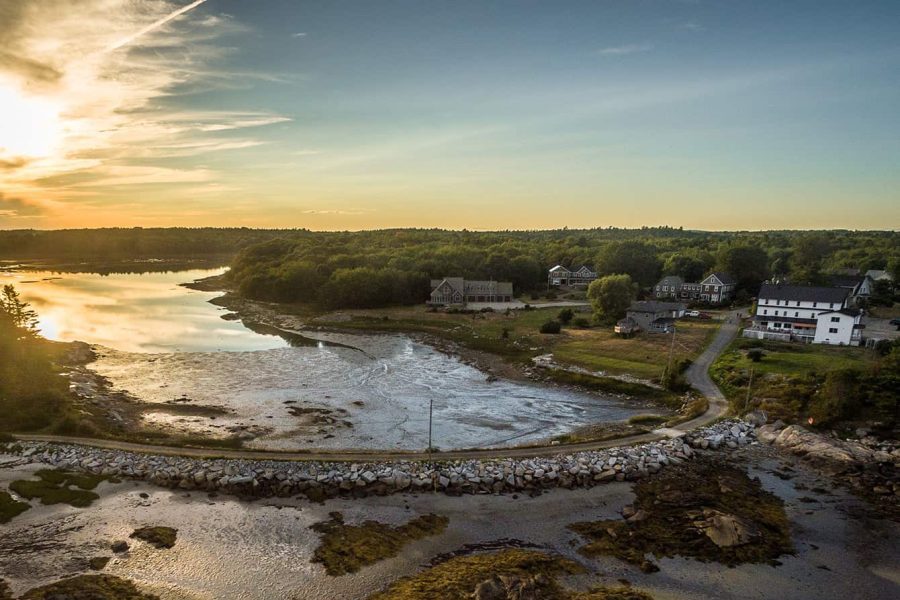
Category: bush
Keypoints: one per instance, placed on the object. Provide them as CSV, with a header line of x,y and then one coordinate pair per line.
x,y
565,315
755,354
551,327
551,295
581,322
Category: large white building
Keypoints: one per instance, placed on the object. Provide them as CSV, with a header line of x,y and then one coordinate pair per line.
x,y
818,315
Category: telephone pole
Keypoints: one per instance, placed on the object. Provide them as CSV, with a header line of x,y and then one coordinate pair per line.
x,y
671,350
749,387
430,421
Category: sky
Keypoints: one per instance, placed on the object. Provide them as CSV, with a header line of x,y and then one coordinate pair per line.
x,y
482,114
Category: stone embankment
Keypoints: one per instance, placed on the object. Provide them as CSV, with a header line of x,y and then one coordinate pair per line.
x,y
320,480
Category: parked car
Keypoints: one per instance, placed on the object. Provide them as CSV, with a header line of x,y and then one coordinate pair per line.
x,y
692,313
896,323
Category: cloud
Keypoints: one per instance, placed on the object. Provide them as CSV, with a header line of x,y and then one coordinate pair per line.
x,y
626,49
299,34
89,87
16,207
155,25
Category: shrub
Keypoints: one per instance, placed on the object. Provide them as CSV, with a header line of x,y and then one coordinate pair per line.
x,y
565,316
581,322
551,327
755,354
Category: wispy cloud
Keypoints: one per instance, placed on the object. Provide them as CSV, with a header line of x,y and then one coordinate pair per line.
x,y
625,49
299,34
86,90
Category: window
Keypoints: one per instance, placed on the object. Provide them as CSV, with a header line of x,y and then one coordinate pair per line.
x,y
815,304
796,314
765,312
798,303
831,305
776,313
832,330
835,319
778,325
778,303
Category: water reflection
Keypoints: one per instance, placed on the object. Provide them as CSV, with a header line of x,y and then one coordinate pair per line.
x,y
148,312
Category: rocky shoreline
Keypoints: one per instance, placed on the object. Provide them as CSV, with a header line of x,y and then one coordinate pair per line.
x,y
318,480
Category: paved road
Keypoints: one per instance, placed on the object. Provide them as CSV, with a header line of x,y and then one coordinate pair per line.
x,y
696,375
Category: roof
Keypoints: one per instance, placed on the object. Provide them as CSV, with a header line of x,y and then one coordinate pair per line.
x,y
671,280
846,281
725,278
850,312
653,306
559,268
456,283
803,293
877,274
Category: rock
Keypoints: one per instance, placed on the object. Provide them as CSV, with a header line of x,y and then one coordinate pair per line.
x,y
727,530
119,546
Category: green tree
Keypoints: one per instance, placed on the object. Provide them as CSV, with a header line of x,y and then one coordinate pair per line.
x,y
637,259
610,297
18,312
688,266
565,315
809,251
749,265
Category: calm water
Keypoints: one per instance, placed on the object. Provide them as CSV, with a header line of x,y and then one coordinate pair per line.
x,y
162,342
146,312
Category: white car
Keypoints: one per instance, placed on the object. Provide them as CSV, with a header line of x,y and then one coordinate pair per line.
x,y
692,313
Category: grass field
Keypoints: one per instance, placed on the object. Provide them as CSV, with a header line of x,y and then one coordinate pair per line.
x,y
786,379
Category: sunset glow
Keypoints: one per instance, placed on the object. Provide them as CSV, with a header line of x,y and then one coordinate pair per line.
x,y
213,112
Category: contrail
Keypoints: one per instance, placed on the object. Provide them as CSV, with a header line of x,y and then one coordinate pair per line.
x,y
155,25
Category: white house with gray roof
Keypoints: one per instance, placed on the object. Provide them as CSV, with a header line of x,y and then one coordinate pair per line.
x,y
810,314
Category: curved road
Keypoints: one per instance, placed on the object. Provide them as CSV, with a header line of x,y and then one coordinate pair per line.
x,y
697,375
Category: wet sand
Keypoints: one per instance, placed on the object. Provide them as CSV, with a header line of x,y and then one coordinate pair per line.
x,y
229,548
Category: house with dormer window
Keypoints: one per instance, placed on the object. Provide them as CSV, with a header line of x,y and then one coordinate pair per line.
x,y
716,288
818,315
560,276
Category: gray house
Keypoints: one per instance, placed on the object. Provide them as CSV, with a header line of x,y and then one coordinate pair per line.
x,y
458,291
655,317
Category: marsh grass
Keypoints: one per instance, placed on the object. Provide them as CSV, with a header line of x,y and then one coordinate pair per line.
x,y
159,537
457,578
10,509
56,487
670,508
347,548
89,587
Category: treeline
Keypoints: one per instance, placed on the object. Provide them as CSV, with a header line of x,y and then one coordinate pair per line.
x,y
131,243
378,268
33,395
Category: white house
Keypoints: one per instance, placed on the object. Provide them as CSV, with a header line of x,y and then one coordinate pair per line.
x,y
807,314
838,327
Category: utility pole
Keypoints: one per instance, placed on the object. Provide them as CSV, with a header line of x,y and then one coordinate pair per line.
x,y
671,350
749,387
430,421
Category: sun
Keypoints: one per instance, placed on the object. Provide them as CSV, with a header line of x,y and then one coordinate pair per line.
x,y
30,127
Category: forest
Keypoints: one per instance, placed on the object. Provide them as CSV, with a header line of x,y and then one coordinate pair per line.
x,y
379,268
384,267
